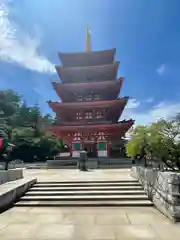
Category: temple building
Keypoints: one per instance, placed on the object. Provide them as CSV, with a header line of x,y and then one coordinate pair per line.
x,y
90,108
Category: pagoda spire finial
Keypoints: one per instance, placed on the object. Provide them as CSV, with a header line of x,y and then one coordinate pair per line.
x,y
88,39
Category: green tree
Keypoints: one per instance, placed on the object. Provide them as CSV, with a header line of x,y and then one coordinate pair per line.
x,y
118,148
164,144
35,149
26,128
138,143
7,108
8,104
159,142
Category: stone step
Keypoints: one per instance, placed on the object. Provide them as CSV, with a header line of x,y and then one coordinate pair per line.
x,y
90,182
85,198
86,193
81,193
97,203
86,188
87,184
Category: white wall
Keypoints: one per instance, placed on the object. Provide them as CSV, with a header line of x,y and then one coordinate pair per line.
x,y
75,153
102,153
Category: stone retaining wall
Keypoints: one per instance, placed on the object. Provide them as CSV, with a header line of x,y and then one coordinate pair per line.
x,y
91,163
68,163
10,175
162,188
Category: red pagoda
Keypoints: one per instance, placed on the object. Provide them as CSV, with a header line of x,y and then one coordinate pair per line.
x,y
90,107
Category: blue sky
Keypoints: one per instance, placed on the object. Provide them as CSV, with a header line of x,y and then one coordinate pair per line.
x,y
145,33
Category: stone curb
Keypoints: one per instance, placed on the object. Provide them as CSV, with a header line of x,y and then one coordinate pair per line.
x,y
11,192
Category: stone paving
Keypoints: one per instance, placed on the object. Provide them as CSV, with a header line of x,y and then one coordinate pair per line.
x,y
85,223
76,175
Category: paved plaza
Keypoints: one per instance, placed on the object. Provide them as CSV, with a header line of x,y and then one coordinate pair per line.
x,y
53,175
85,223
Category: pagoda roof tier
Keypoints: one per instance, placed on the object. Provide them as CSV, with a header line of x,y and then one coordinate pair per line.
x,y
112,130
88,73
65,91
59,106
91,58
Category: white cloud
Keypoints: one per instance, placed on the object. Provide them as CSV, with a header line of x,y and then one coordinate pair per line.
x,y
19,47
161,69
149,100
132,103
163,110
41,91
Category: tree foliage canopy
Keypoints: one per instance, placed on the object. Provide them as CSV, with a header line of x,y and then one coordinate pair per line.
x,y
26,128
158,141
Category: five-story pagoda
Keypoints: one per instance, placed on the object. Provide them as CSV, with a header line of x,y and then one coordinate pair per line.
x,y
90,107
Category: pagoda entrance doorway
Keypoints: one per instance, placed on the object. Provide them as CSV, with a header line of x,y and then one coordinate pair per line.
x,y
91,149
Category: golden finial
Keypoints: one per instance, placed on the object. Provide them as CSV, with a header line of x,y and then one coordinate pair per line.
x,y
88,39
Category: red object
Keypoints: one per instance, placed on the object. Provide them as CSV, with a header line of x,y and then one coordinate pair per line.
x,y
65,91
96,73
90,108
1,143
118,103
76,59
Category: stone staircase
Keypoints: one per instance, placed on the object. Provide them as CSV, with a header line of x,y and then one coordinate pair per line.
x,y
85,193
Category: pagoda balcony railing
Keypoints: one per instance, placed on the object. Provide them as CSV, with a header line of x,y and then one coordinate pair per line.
x,y
82,122
104,97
